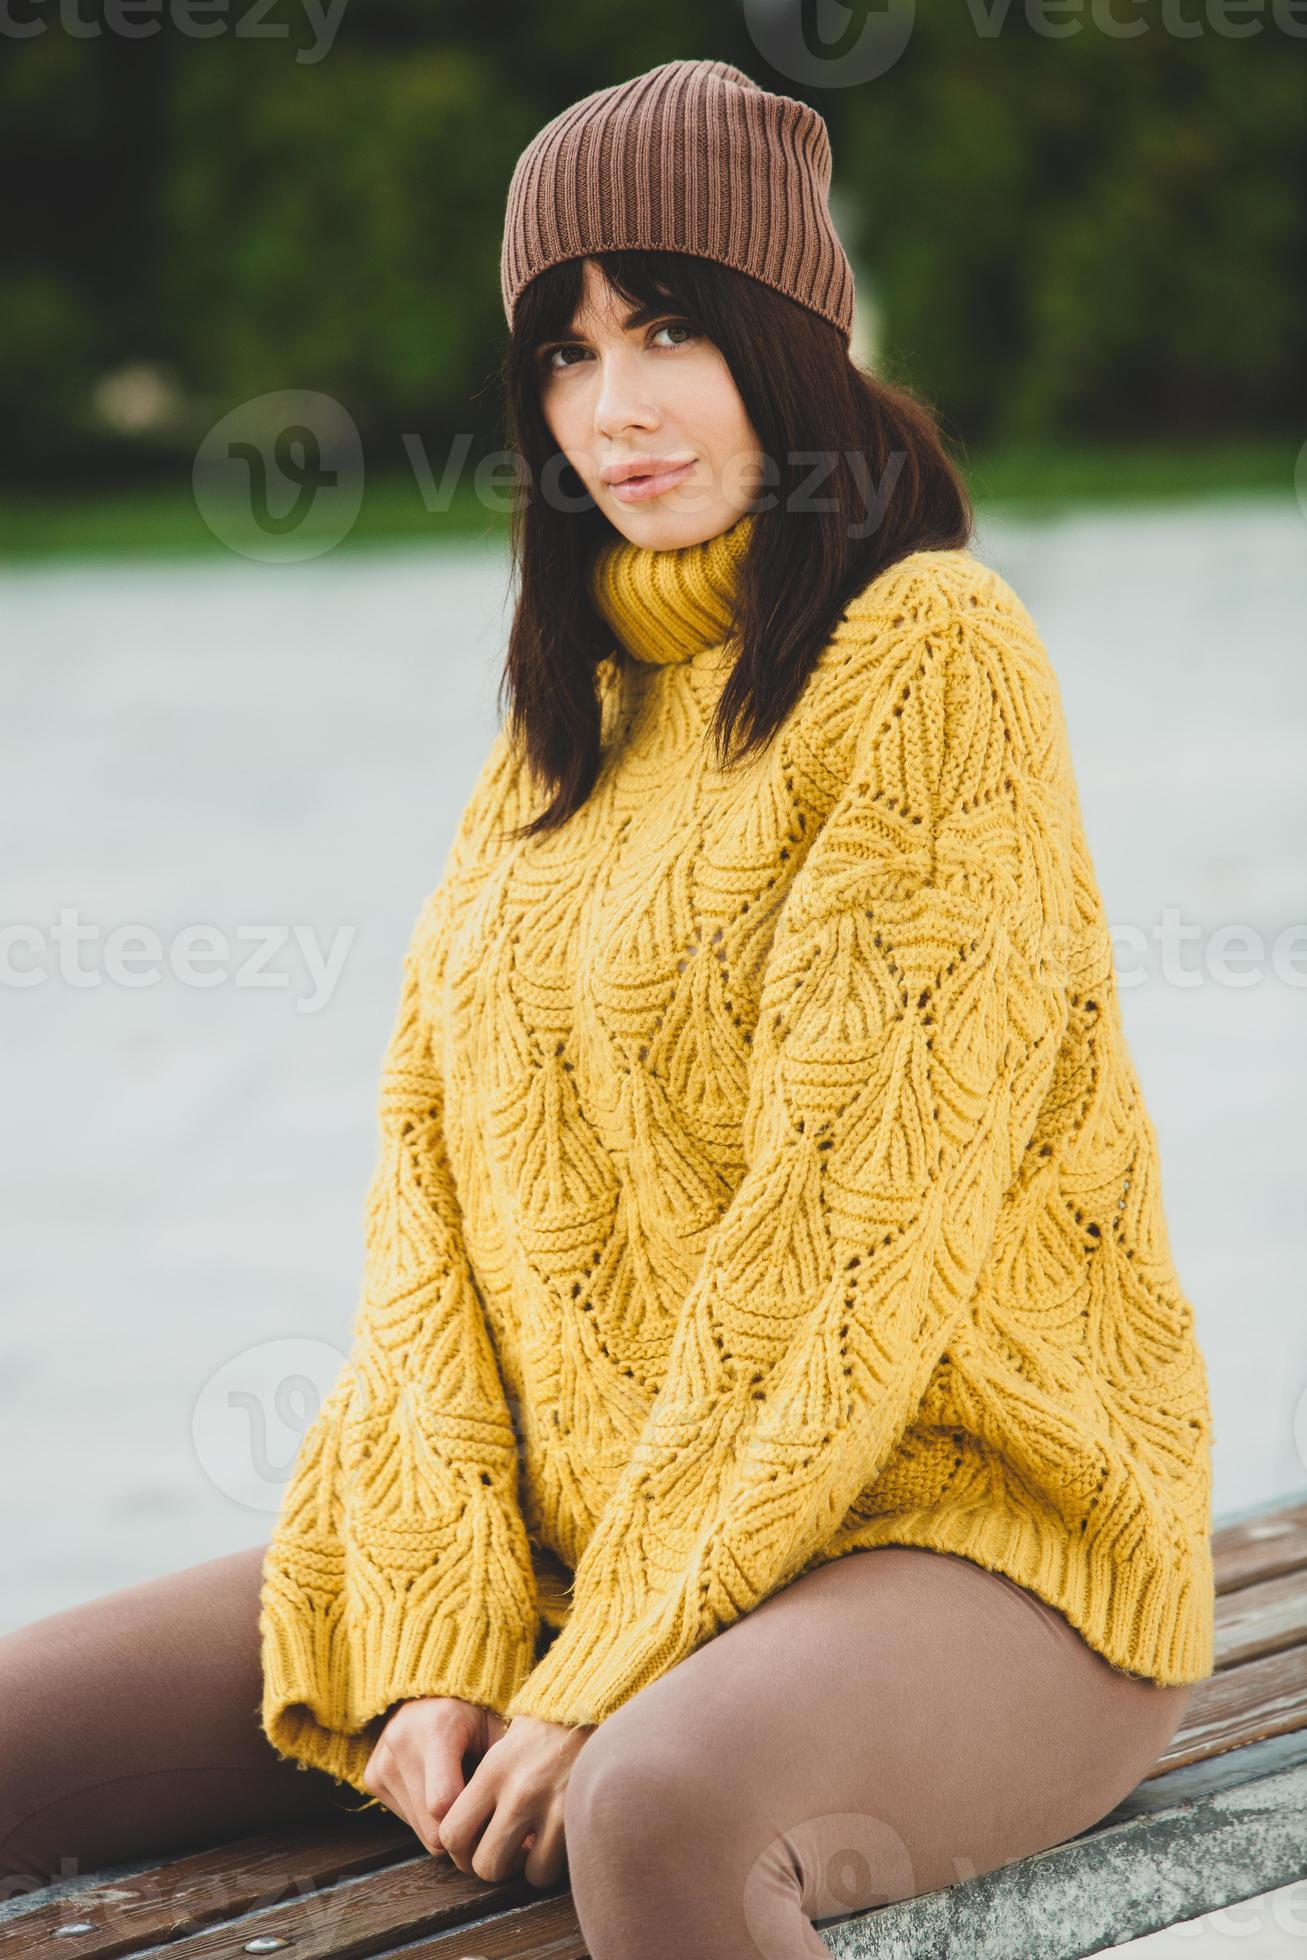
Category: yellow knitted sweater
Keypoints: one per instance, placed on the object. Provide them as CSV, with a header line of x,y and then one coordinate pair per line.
x,y
763,1175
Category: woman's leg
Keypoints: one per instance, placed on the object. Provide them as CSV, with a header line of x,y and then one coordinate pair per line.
x,y
890,1723
130,1724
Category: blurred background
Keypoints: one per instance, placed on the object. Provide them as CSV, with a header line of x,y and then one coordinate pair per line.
x,y
244,700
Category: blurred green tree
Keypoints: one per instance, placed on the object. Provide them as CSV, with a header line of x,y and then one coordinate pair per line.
x,y
1077,235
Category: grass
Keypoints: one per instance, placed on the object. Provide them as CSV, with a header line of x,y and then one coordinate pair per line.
x,y
1148,473
166,521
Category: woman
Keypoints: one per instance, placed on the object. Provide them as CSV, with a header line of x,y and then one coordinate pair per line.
x,y
773,1453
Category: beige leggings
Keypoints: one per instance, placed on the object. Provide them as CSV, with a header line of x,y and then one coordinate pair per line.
x,y
887,1724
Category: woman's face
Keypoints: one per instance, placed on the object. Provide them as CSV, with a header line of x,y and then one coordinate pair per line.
x,y
651,392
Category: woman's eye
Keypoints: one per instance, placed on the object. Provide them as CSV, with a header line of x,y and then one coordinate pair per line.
x,y
552,363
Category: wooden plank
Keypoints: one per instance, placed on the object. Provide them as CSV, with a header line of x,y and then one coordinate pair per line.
x,y
434,1904
1261,1547
180,1895
359,1917
348,1916
1263,1618
547,1930
1241,1705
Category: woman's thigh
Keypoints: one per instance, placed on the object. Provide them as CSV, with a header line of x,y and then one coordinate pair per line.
x,y
893,1722
130,1724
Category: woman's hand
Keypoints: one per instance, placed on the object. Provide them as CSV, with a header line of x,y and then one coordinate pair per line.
x,y
514,1802
416,1768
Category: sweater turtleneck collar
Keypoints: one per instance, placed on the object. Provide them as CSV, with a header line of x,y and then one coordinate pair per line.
x,y
666,605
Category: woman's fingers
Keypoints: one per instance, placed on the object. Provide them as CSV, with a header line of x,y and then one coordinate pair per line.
x,y
465,1820
398,1794
416,1768
502,1827
438,1782
503,1821
547,1853
392,1795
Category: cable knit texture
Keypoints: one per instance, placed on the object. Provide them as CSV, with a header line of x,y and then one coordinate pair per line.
x,y
763,1175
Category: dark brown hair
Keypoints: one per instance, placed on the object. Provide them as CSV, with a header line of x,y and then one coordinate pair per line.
x,y
857,477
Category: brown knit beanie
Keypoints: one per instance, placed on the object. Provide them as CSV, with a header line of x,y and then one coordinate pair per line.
x,y
690,157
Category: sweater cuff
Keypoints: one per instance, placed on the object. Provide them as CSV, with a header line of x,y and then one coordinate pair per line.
x,y
330,1676
591,1668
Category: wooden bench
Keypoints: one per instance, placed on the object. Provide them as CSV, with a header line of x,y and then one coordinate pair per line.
x,y
1222,1817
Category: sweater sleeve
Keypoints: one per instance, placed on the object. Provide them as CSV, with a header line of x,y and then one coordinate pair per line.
x,y
399,1565
911,1010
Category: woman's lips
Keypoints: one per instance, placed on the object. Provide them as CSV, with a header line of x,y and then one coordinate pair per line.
x,y
638,489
